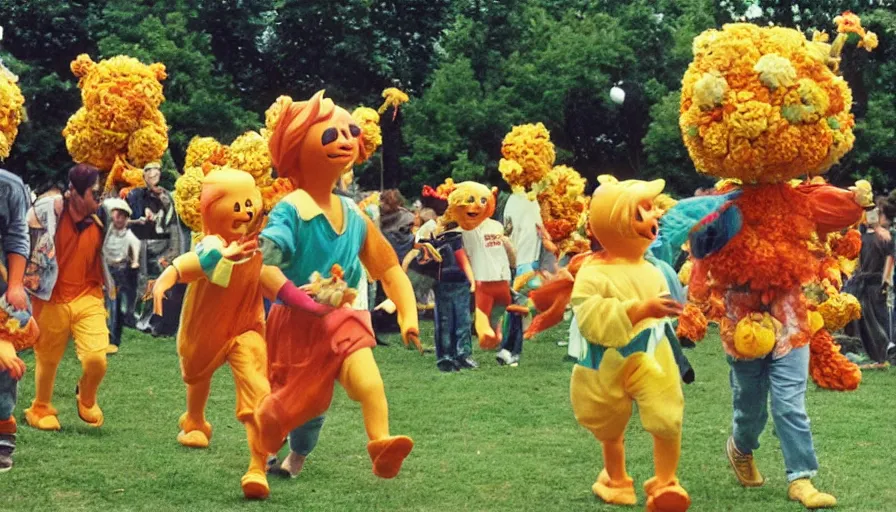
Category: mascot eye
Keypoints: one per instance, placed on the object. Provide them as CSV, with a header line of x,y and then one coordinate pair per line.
x,y
471,199
355,130
329,136
248,203
482,200
236,207
638,216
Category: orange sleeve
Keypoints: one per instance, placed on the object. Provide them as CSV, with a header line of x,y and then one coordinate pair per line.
x,y
376,253
832,208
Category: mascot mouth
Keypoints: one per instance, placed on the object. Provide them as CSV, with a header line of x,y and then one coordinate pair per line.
x,y
238,223
473,215
339,156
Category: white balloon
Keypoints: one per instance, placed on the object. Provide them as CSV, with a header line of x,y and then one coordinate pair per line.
x,y
617,95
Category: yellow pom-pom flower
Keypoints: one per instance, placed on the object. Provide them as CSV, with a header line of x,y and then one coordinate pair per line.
x,y
250,153
369,122
754,335
838,310
530,146
201,149
272,115
12,110
392,97
561,196
186,197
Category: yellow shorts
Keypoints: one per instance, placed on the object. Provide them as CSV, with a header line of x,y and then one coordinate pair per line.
x,y
84,318
602,398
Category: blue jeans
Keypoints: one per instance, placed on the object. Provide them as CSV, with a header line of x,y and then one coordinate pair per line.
x,y
786,377
453,325
303,439
8,388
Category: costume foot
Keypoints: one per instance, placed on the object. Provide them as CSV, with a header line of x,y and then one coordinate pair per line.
x,y
388,453
743,465
93,415
666,498
42,417
803,491
255,486
293,464
193,435
619,492
112,349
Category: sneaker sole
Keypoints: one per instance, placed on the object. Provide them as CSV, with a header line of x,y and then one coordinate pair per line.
x,y
4,470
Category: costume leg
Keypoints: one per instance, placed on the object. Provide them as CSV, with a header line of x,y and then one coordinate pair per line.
x,y
248,363
484,303
655,383
91,340
195,431
54,321
605,411
361,379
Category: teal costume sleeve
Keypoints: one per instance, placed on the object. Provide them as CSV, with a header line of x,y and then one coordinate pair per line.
x,y
676,224
677,292
280,231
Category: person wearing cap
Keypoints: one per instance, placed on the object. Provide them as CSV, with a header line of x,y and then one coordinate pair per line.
x,y
121,252
67,275
155,223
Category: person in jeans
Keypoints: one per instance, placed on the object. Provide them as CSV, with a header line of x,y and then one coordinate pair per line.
x,y
121,251
15,241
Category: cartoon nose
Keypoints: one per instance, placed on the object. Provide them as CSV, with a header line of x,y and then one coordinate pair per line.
x,y
345,147
251,215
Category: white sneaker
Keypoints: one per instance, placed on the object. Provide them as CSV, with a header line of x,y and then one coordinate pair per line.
x,y
514,360
503,357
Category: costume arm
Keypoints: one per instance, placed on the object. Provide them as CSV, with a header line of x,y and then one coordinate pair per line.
x,y
275,286
277,241
603,318
832,208
381,262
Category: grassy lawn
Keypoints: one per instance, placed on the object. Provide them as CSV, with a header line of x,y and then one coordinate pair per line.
x,y
492,439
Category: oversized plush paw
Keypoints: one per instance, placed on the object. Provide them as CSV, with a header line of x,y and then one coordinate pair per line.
x,y
387,454
255,485
616,492
670,497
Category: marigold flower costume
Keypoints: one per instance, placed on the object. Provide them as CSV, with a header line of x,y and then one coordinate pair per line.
x,y
622,302
312,144
223,312
120,127
763,106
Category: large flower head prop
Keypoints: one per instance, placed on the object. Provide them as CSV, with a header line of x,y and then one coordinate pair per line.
x,y
392,97
528,156
12,110
764,104
120,117
561,196
369,121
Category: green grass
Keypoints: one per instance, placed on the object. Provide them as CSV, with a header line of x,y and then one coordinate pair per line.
x,y
492,439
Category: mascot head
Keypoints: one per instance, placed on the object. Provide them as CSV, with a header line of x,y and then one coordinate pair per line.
x,y
230,204
624,217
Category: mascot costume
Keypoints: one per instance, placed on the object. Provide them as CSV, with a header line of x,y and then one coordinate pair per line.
x,y
623,309
223,314
308,232
761,106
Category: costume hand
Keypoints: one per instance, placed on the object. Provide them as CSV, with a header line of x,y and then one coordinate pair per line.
x,y
161,287
660,307
17,298
10,362
241,250
472,287
412,335
387,305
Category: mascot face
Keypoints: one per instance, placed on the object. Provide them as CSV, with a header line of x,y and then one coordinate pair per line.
x,y
231,204
624,218
470,204
331,146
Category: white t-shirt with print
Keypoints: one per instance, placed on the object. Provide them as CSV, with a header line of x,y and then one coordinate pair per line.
x,y
524,215
485,249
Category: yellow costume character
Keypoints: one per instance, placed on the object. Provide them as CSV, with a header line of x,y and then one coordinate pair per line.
x,y
223,313
622,306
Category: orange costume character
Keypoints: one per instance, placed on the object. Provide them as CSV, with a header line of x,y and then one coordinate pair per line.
x,y
223,313
491,255
309,231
